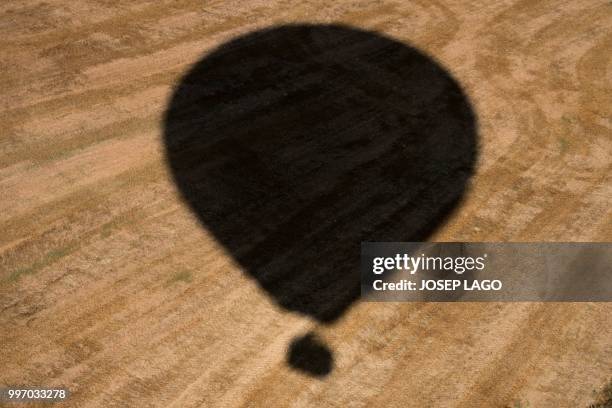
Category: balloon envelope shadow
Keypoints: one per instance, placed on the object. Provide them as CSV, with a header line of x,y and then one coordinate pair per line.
x,y
295,143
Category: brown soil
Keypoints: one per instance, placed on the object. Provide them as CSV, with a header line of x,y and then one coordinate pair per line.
x,y
110,286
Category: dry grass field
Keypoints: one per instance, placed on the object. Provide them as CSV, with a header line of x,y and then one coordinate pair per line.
x,y
111,287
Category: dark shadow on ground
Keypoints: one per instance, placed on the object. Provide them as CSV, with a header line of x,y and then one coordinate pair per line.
x,y
310,355
295,143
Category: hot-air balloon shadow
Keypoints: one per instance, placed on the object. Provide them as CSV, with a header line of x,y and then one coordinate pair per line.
x,y
294,144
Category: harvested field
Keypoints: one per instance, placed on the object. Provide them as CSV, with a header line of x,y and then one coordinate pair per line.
x,y
111,284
